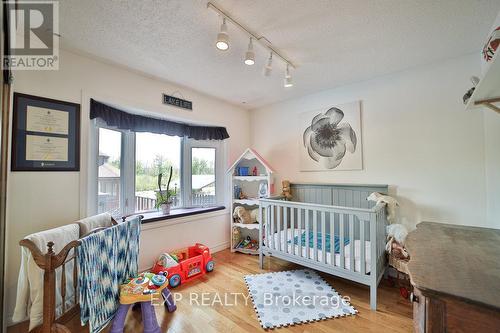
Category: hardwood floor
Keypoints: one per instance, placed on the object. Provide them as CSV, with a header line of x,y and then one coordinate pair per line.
x,y
394,314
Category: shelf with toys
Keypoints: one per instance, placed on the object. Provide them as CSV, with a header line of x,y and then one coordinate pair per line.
x,y
251,179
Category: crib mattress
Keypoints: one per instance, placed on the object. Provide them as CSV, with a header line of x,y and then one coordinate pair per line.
x,y
286,239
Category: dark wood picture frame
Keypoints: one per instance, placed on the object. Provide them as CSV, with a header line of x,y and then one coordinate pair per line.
x,y
20,132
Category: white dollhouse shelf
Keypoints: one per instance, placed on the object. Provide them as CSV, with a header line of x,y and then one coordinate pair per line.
x,y
246,226
248,202
250,178
487,92
250,186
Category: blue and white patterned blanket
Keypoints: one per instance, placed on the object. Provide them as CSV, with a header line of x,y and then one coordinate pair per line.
x,y
105,260
319,242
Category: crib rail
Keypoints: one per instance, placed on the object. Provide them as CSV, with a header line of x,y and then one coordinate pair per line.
x,y
330,238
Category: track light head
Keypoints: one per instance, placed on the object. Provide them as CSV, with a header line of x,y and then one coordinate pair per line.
x,y
269,66
222,37
250,54
287,82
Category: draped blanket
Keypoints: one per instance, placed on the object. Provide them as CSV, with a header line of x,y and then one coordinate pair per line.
x,y
105,260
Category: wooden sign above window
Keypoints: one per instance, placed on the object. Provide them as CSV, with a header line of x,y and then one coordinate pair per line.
x,y
180,103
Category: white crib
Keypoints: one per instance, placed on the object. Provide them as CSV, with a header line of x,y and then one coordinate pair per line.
x,y
340,222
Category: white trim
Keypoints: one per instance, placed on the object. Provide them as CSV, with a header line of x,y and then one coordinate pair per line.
x,y
185,170
185,219
220,162
220,247
127,173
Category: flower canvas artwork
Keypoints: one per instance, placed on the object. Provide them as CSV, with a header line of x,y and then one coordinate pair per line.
x,y
331,139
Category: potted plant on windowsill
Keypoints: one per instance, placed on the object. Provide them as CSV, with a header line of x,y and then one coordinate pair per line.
x,y
164,198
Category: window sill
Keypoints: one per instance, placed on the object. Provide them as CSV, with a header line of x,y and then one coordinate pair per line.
x,y
155,216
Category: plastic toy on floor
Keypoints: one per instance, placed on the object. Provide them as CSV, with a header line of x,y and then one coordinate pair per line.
x,y
185,265
143,289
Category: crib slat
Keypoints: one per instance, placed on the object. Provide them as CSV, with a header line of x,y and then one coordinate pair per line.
x,y
308,254
362,241
292,225
269,223
279,227
351,242
261,235
285,221
300,230
272,226
342,240
323,237
315,235
332,239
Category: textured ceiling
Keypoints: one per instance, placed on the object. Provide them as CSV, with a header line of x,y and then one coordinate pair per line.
x,y
333,42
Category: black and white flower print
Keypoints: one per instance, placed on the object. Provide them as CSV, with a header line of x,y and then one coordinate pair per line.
x,y
327,139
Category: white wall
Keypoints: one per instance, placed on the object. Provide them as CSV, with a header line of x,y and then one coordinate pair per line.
x,y
417,137
492,166
41,200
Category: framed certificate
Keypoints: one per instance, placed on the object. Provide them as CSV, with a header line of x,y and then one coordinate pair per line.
x,y
45,134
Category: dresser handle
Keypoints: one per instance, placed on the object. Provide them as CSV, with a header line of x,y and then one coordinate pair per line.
x,y
413,298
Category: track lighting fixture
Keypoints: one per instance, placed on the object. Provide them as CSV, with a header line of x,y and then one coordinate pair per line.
x,y
269,66
223,44
250,54
288,78
222,37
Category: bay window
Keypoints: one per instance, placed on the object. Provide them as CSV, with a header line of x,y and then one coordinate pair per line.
x,y
129,162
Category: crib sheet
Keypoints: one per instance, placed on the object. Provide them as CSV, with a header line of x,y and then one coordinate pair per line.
x,y
286,239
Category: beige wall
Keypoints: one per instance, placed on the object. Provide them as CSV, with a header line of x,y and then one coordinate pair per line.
x,y
417,137
41,200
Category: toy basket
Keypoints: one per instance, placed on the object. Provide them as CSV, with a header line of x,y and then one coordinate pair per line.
x,y
401,267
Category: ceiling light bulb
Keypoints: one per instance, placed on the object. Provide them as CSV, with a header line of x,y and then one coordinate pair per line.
x,y
250,55
269,66
288,78
222,37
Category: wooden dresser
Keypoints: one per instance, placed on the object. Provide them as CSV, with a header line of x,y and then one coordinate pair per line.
x,y
455,272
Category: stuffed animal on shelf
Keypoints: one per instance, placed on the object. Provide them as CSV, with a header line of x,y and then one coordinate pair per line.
x,y
396,237
242,215
286,190
243,196
392,204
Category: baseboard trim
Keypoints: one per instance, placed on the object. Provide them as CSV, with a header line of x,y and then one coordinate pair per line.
x,y
220,247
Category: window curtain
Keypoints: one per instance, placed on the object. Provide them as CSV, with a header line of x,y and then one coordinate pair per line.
x,y
137,123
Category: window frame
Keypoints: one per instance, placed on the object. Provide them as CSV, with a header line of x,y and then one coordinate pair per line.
x,y
187,167
128,164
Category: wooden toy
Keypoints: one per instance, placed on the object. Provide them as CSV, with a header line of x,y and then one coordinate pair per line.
x,y
194,262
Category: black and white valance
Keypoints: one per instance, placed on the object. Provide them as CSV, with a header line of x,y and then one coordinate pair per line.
x,y
133,122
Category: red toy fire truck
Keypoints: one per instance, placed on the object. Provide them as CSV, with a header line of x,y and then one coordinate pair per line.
x,y
191,263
